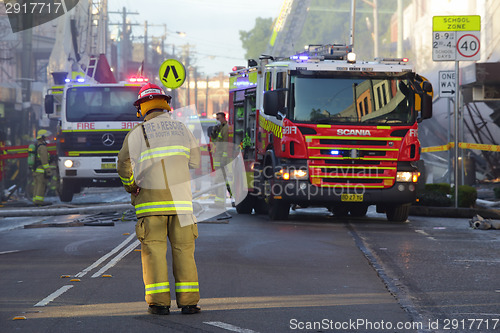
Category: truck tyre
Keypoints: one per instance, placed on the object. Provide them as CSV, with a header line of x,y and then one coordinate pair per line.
x,y
261,207
246,206
67,190
398,213
358,211
279,210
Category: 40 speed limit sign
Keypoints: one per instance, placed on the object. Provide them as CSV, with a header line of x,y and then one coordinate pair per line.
x,y
468,45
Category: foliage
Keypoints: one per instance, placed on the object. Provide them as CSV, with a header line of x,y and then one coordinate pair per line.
x,y
437,195
328,22
467,196
434,198
439,187
255,41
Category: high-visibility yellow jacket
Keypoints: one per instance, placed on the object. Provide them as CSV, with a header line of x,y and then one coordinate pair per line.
x,y
220,136
156,157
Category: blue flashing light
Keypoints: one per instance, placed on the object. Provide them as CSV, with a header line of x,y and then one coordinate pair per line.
x,y
303,58
334,152
67,80
295,57
81,80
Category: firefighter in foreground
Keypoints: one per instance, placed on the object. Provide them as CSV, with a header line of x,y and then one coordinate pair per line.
x,y
220,137
42,170
153,165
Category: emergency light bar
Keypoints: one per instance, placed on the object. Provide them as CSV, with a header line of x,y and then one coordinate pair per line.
x,y
77,79
392,60
136,79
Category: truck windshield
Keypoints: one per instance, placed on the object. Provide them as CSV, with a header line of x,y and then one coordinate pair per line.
x,y
101,103
355,100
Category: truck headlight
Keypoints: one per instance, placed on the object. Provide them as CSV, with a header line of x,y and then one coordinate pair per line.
x,y
68,163
292,174
407,177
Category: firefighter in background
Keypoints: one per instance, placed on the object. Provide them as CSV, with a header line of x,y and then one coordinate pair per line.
x,y
42,170
220,137
158,179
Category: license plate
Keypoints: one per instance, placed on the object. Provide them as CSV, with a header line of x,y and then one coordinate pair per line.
x,y
352,197
108,165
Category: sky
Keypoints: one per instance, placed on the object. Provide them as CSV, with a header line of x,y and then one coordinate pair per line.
x,y
211,26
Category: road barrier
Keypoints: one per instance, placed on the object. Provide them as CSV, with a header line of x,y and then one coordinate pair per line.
x,y
462,145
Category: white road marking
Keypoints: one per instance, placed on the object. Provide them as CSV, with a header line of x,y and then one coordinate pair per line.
x,y
425,234
229,327
54,295
106,256
113,262
421,232
478,260
6,252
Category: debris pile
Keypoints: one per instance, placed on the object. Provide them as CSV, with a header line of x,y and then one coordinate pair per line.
x,y
478,222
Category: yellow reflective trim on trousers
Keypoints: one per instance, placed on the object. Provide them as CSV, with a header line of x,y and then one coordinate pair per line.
x,y
156,288
183,287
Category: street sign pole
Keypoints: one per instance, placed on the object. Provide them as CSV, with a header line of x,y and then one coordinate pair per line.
x,y
457,108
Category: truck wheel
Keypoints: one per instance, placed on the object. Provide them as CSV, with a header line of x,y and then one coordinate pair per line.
x,y
398,213
67,190
279,210
246,206
358,211
261,207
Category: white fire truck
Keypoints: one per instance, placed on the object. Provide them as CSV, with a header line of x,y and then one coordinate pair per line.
x,y
93,121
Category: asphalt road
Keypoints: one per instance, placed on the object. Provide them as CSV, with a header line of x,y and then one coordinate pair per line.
x,y
313,273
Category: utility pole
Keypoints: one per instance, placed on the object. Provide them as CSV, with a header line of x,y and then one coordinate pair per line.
x,y
187,63
145,63
125,45
195,69
206,99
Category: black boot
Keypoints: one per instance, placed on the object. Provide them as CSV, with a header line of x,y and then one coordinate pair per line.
x,y
159,309
190,309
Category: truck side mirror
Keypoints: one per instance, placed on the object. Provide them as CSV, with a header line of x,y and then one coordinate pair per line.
x,y
49,104
426,106
274,101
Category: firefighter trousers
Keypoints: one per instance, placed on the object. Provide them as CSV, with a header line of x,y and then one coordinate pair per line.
x,y
39,187
152,232
221,166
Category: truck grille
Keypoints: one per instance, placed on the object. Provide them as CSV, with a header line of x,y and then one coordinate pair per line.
x,y
95,143
369,162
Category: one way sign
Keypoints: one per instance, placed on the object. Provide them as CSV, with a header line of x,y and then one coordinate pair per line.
x,y
447,84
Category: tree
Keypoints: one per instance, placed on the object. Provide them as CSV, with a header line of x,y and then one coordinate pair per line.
x,y
255,41
328,22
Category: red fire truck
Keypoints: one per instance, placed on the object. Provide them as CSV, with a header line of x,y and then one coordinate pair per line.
x,y
323,129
